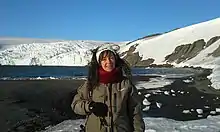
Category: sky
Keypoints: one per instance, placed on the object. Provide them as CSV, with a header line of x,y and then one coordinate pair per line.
x,y
105,20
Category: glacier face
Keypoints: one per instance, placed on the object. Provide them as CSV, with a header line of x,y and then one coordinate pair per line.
x,y
65,53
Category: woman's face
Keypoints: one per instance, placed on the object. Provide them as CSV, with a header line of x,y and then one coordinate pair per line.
x,y
107,61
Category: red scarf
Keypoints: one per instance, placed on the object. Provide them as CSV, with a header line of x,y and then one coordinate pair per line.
x,y
110,77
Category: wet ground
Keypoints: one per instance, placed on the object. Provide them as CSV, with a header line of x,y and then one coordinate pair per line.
x,y
180,101
30,105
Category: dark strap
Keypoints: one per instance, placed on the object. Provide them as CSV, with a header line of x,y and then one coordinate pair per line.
x,y
110,112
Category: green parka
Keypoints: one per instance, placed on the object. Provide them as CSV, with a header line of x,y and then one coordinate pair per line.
x,y
124,104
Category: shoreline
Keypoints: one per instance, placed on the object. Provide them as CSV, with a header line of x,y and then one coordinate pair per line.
x,y
202,83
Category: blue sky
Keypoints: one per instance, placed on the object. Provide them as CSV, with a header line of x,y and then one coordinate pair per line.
x,y
110,20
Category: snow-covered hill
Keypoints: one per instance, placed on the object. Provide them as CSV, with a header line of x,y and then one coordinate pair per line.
x,y
161,46
195,45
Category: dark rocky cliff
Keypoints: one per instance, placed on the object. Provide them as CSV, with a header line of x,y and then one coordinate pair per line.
x,y
188,51
134,59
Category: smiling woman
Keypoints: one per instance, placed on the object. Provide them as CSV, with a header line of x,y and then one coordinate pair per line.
x,y
107,61
101,98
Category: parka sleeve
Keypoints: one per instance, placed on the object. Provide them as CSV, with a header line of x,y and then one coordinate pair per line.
x,y
80,103
135,110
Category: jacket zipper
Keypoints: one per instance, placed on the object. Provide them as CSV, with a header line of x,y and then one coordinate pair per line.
x,y
110,112
115,103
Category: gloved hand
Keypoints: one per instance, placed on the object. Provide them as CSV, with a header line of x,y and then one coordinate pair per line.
x,y
99,109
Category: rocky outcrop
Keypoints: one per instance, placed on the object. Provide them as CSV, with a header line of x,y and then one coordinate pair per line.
x,y
215,53
186,52
34,61
134,59
212,40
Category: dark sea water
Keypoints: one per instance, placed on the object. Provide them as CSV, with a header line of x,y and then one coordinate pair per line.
x,y
61,72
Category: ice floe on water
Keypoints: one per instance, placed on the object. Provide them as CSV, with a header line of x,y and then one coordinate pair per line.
x,y
157,82
199,111
174,76
167,92
159,105
186,111
43,78
187,81
162,81
146,102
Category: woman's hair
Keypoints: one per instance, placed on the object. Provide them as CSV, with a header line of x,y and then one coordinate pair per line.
x,y
93,67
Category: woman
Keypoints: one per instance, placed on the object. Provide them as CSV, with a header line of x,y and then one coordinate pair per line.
x,y
108,97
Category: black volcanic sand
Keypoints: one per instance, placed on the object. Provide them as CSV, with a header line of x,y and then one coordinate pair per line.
x,y
32,105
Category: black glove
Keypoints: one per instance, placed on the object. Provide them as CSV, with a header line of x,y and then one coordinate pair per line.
x,y
82,128
99,109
